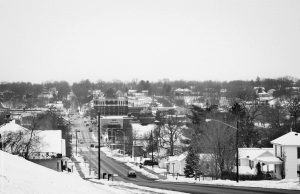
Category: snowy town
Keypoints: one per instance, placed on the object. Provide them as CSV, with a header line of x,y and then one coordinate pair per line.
x,y
149,97
138,140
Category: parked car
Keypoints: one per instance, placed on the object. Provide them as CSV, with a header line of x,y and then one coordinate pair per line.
x,y
149,163
90,130
92,145
96,146
131,173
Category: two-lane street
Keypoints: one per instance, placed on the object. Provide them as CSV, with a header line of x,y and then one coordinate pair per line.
x,y
111,166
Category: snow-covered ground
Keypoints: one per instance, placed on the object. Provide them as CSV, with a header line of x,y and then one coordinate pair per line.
x,y
20,176
293,184
275,184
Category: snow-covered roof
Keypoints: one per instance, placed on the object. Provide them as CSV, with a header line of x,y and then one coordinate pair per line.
x,y
141,130
289,139
269,160
178,158
113,117
50,140
253,153
12,126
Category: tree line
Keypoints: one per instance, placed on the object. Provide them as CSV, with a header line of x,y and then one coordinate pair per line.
x,y
24,91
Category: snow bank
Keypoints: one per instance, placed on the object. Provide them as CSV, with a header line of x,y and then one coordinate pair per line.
x,y
292,184
18,175
134,188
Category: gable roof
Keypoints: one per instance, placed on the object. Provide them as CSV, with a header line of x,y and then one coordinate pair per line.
x,y
253,153
289,139
12,127
178,158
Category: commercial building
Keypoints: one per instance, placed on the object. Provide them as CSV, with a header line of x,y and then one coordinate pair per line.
x,y
111,106
117,132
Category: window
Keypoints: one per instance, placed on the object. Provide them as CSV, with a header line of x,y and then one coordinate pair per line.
x,y
251,164
298,151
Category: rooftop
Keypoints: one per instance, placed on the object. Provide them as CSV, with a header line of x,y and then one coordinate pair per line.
x,y
289,139
12,126
253,153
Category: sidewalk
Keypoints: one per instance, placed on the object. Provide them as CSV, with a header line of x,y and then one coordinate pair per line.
x,y
161,177
82,167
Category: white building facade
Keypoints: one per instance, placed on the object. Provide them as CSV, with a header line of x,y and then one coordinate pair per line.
x,y
287,148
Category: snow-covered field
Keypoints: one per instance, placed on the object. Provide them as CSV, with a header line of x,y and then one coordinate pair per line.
x,y
19,176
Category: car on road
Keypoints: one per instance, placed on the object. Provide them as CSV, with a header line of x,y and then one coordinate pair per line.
x,y
149,163
131,173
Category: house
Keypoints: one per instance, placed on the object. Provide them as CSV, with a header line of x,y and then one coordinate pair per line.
x,y
183,92
176,164
287,148
250,157
50,142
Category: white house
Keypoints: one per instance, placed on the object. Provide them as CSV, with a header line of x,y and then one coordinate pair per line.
x,y
249,157
50,141
287,148
176,164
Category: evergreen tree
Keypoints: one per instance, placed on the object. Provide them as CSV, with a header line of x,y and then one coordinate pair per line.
x,y
191,163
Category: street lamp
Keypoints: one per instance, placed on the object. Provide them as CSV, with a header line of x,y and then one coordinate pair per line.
x,y
236,143
158,123
152,146
99,164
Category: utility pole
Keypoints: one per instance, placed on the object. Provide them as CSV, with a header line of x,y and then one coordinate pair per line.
x,y
99,164
76,140
132,149
152,147
1,144
237,151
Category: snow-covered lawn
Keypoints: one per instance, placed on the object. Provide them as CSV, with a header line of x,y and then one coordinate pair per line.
x,y
276,184
19,176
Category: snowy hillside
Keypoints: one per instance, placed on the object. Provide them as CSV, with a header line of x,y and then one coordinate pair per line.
x,y
20,176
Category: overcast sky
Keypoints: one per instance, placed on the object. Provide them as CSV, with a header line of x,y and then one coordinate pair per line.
x,y
119,39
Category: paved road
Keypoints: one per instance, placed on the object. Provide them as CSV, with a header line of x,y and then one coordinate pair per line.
x,y
110,165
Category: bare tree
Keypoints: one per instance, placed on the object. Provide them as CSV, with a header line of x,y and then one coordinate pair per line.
x,y
169,132
293,108
218,140
21,143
